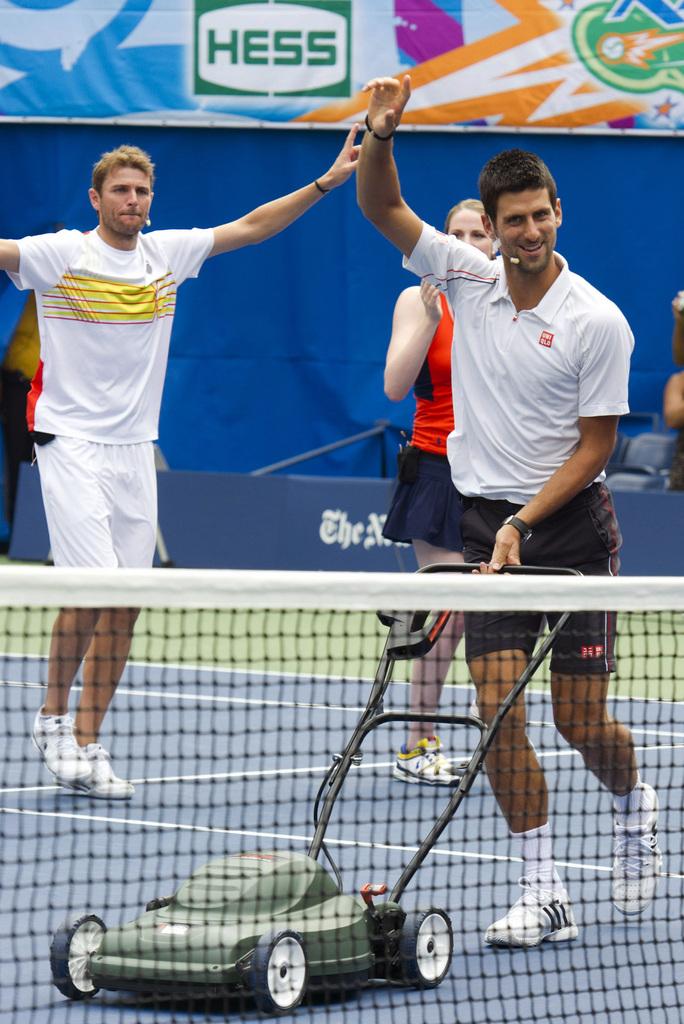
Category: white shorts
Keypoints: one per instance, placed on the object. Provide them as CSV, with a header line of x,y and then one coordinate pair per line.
x,y
100,502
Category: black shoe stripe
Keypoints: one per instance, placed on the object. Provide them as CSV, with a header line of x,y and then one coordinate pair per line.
x,y
552,915
557,912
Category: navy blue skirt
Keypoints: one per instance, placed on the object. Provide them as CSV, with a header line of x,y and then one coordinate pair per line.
x,y
428,509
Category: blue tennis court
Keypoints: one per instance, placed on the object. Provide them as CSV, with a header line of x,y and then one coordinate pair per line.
x,y
230,761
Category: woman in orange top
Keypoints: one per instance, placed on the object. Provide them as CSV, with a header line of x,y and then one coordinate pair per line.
x,y
426,508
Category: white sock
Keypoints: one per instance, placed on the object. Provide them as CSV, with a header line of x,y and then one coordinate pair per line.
x,y
537,853
634,808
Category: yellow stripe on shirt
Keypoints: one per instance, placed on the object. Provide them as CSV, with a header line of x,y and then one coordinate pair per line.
x,y
95,301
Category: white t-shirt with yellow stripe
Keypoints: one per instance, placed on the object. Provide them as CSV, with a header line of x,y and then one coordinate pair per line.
x,y
105,318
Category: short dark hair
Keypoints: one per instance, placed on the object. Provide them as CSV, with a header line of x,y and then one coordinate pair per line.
x,y
514,170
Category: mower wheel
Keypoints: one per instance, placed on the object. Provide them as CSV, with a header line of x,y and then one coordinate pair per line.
x,y
426,946
279,972
73,944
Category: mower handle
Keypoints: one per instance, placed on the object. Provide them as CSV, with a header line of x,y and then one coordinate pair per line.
x,y
519,570
413,634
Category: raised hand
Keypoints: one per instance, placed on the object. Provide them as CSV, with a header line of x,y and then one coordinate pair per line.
x,y
386,103
345,162
430,296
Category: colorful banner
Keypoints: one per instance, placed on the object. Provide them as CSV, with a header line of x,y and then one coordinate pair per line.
x,y
577,64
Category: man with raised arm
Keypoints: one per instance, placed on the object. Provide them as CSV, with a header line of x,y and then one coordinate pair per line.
x,y
540,373
106,301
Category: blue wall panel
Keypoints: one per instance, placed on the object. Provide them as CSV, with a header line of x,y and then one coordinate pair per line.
x,y
233,521
280,348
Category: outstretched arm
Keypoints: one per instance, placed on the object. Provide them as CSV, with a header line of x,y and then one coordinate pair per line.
x,y
417,314
678,331
9,256
271,218
377,182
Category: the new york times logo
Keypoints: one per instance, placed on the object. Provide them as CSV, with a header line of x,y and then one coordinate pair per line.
x,y
337,528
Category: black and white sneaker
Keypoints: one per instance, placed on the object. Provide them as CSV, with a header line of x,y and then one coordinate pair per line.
x,y
540,915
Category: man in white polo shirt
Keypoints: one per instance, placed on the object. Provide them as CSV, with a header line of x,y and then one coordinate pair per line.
x,y
106,301
540,369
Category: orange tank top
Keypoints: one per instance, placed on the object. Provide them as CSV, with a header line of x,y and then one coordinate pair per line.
x,y
434,417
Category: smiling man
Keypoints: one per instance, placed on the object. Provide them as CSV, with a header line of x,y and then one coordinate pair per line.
x,y
106,300
540,370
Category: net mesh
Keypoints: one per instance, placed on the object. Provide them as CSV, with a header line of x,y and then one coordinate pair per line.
x,y
259,719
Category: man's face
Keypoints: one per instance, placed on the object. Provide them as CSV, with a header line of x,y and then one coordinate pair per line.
x,y
124,203
526,224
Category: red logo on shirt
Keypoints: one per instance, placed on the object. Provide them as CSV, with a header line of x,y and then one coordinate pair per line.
x,y
593,651
546,339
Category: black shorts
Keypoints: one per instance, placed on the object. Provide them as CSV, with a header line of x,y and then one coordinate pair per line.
x,y
583,535
428,509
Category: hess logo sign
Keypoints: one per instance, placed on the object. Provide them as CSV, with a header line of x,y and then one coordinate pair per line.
x,y
265,48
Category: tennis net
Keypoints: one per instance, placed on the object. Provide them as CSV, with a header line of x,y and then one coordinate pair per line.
x,y
242,722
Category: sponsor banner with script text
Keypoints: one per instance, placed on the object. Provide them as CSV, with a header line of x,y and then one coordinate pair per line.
x,y
554,64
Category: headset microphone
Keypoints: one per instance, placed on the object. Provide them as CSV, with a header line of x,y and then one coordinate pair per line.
x,y
512,259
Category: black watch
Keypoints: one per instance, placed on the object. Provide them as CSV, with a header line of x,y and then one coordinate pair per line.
x,y
521,526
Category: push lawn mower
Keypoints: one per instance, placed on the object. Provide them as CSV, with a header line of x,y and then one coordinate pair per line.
x,y
277,923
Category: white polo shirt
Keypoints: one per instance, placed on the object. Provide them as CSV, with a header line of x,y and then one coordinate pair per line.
x,y
104,317
521,380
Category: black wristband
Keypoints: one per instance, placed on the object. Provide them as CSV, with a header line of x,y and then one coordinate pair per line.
x,y
323,191
381,138
520,525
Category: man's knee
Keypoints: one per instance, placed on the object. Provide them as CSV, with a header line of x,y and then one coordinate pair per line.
x,y
494,675
499,668
75,621
580,711
581,727
117,622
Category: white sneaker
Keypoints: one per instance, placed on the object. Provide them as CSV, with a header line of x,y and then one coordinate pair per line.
x,y
53,736
638,861
103,782
427,763
540,915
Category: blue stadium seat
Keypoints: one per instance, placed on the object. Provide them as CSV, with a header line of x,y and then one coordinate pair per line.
x,y
619,452
650,451
636,480
637,422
